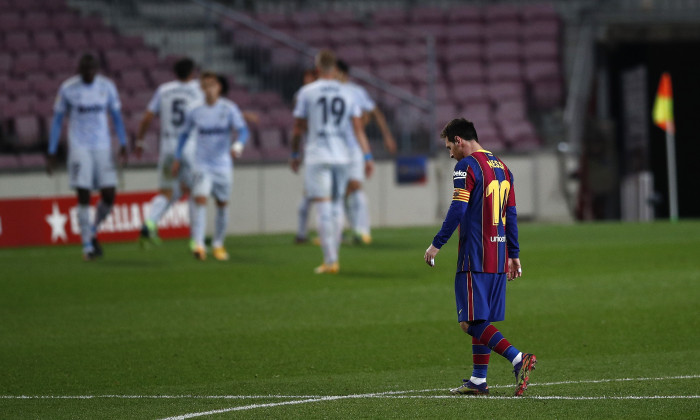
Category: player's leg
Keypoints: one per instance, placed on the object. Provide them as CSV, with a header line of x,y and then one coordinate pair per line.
x,y
357,204
222,191
168,194
487,292
80,169
318,185
105,176
338,189
202,186
476,384
303,220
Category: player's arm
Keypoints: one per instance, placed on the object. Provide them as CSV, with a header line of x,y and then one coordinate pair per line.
x,y
389,142
242,133
181,140
115,111
60,107
514,267
141,133
361,137
300,127
460,200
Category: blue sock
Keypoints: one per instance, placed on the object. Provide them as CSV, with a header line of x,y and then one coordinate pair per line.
x,y
489,335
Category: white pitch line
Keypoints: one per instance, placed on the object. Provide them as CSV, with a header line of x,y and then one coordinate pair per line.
x,y
397,394
251,397
548,397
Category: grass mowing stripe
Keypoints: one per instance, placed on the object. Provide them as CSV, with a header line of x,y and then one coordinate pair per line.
x,y
252,397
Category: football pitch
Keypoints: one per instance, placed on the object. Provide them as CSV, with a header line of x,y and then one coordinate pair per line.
x,y
610,310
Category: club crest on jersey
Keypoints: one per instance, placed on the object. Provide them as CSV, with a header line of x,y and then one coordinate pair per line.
x,y
459,174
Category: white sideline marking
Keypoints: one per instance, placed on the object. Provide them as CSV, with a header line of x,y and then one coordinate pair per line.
x,y
253,397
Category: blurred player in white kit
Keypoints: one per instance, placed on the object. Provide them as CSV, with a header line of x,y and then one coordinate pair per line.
x,y
171,102
87,98
213,124
323,111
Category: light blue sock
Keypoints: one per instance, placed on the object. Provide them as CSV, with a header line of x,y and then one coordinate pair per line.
x,y
326,231
199,224
220,226
85,227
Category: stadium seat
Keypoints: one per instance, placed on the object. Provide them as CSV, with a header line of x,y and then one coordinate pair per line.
x,y
381,54
500,13
118,60
389,17
513,110
17,42
465,71
32,160
274,20
393,73
467,32
503,91
339,19
462,51
317,36
267,100
505,71
520,135
6,63
547,94
17,87
541,50
414,52
241,97
469,93
478,113
61,61
145,58
345,36
281,117
9,162
27,62
133,80
427,14
160,76
11,21
75,40
546,30
464,15
27,132
306,19
541,70
46,41
537,12
250,154
503,51
103,39
503,31
352,54
63,21
269,138
36,20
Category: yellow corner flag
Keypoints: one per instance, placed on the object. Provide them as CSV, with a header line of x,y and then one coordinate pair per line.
x,y
663,105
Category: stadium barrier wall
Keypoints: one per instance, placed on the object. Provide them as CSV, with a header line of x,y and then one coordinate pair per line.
x,y
265,197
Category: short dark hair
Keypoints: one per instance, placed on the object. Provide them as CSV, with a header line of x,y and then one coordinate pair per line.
x,y
223,81
89,60
459,127
183,68
342,66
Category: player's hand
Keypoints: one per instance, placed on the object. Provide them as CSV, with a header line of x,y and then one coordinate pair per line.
x,y
175,169
237,150
139,147
369,168
430,254
123,155
515,270
295,163
50,164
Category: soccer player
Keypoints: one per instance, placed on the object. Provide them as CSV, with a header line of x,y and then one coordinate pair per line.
x,y
305,204
355,197
323,111
170,103
483,206
214,122
87,98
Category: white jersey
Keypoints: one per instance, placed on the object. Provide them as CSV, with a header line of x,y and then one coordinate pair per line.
x,y
328,106
366,105
87,107
171,102
213,126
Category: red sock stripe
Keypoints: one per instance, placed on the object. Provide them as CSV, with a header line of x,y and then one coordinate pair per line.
x,y
481,359
502,346
488,334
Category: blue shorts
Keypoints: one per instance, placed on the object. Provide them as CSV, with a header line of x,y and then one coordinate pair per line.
x,y
480,296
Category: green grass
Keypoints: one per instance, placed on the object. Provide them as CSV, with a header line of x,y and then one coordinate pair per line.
x,y
598,301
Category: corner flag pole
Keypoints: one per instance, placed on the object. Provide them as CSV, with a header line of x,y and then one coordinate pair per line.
x,y
663,118
672,182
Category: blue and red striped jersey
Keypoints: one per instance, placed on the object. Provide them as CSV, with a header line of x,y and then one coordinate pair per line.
x,y
483,206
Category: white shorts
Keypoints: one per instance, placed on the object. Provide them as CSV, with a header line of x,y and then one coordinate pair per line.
x,y
323,180
206,182
357,165
165,177
91,169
